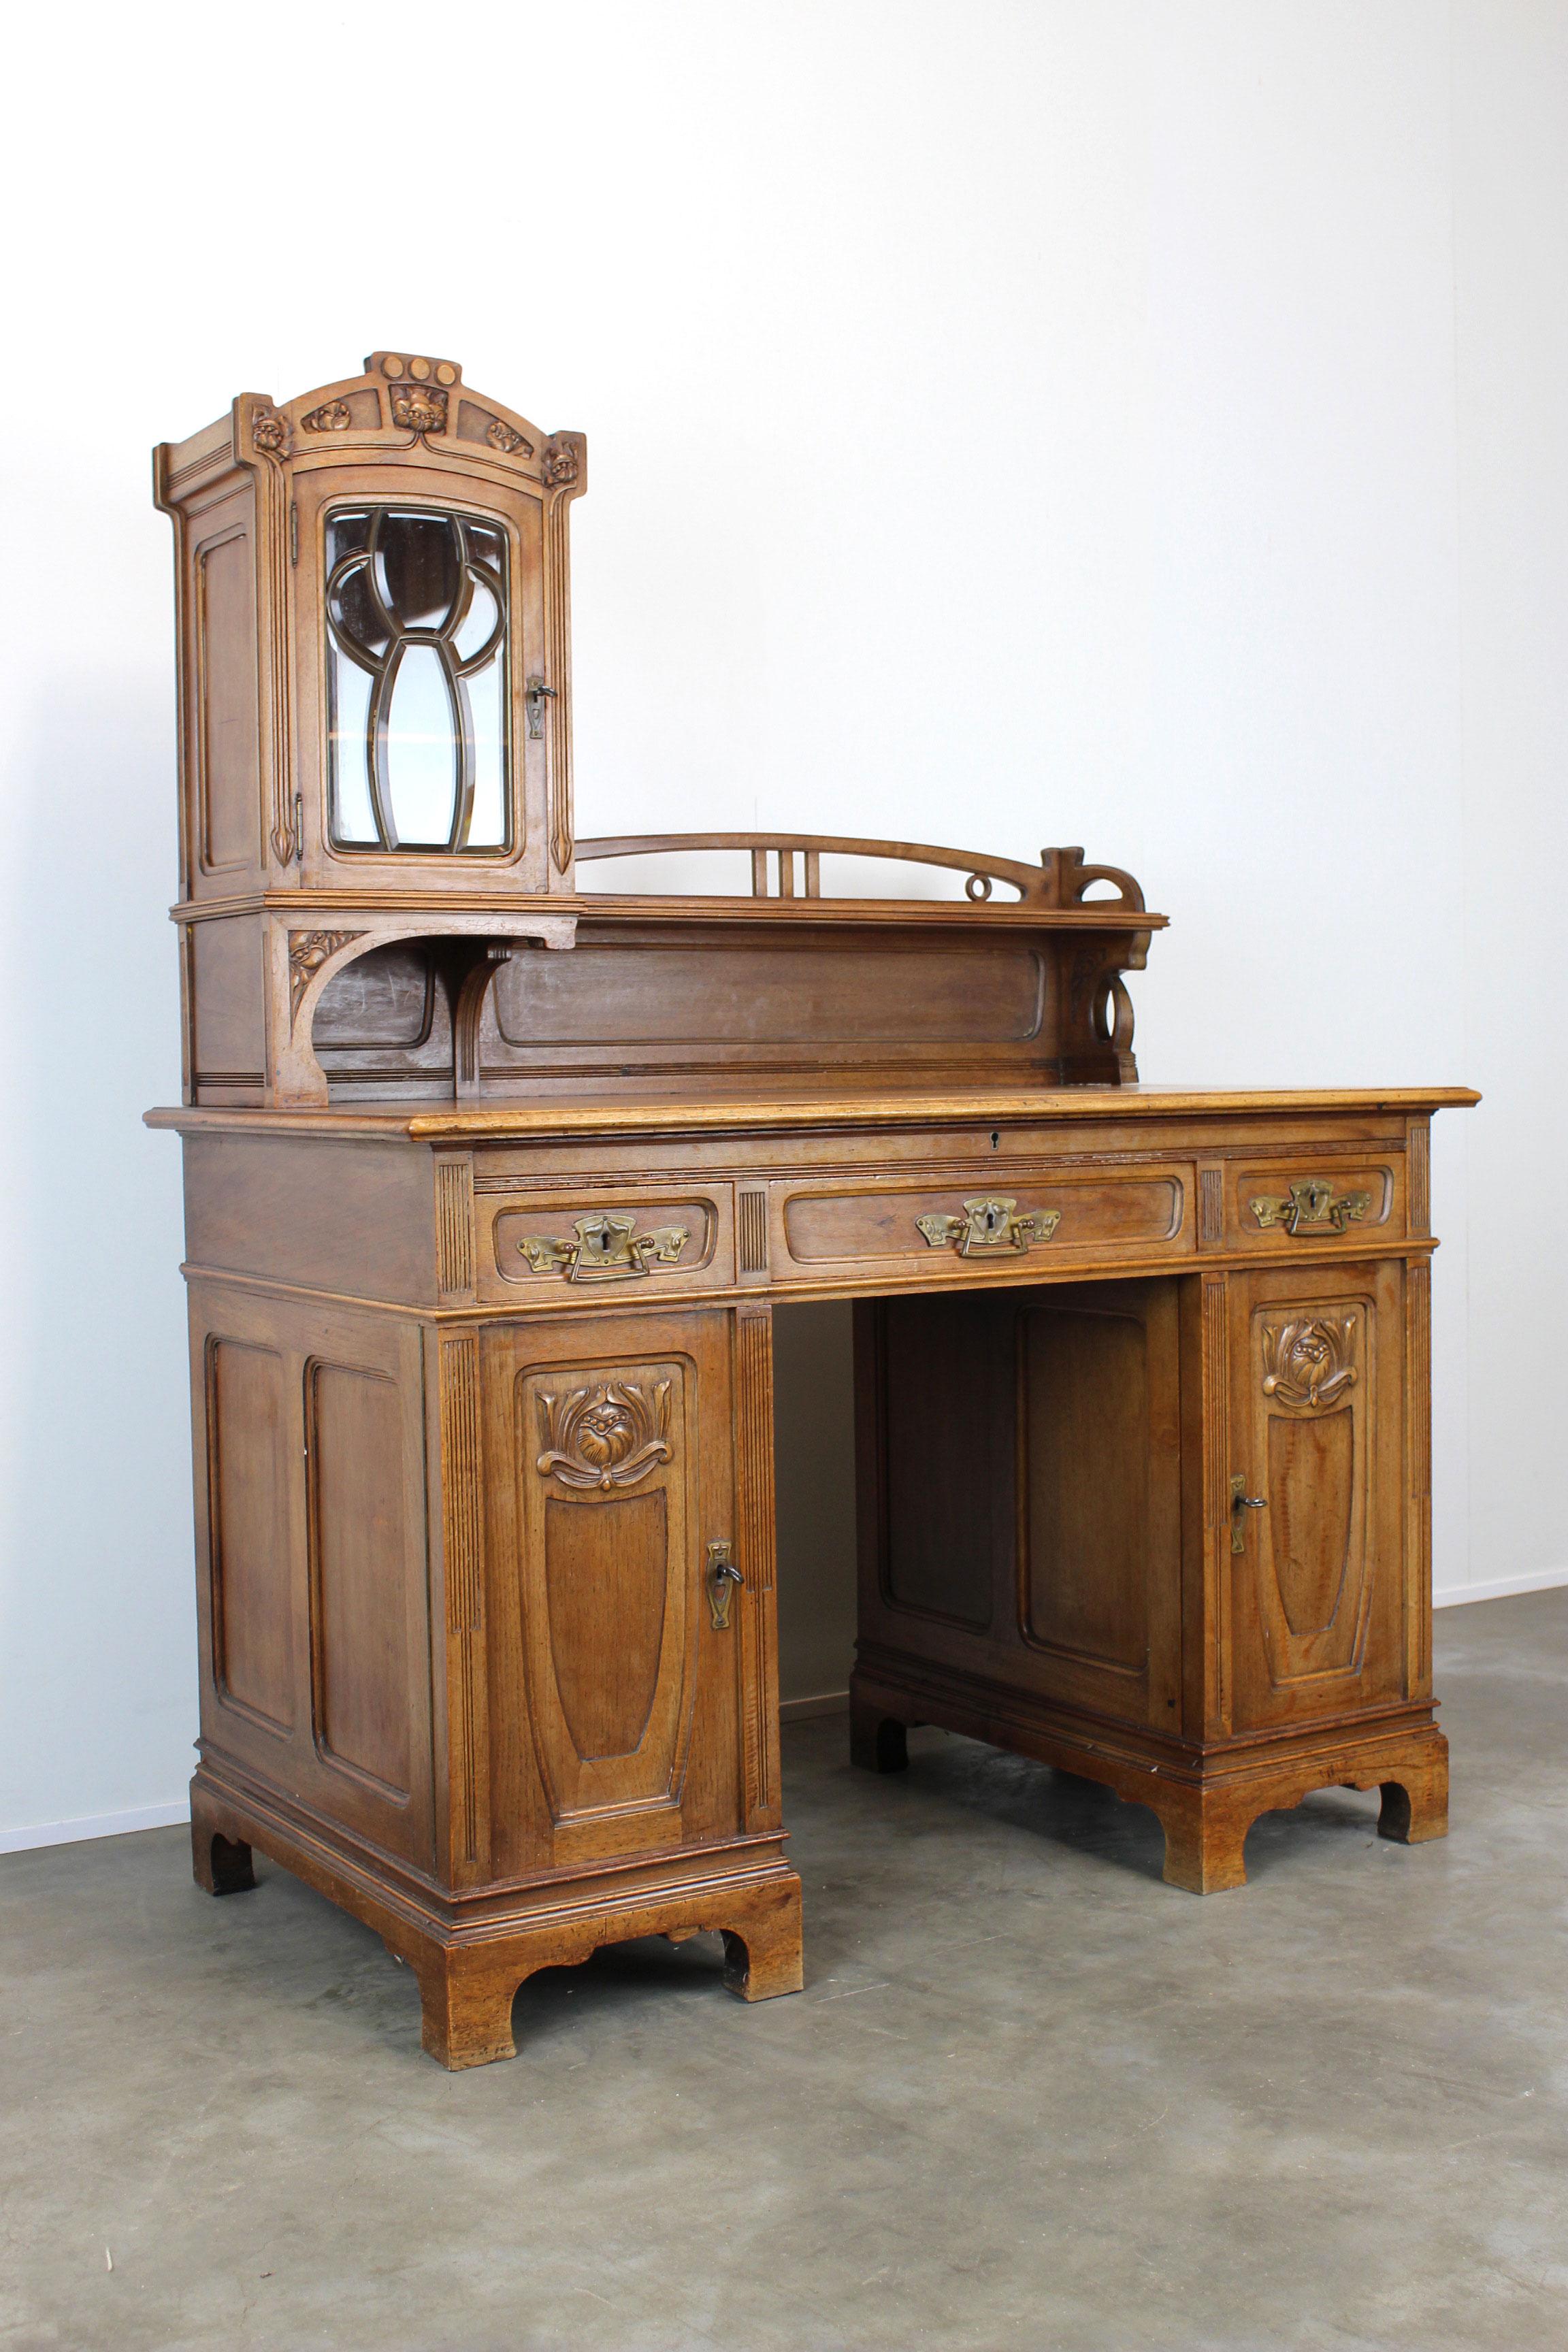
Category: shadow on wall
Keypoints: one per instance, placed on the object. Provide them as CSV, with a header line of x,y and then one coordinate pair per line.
x,y
96,1631
814,1442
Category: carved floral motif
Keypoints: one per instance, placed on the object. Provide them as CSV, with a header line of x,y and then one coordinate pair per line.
x,y
604,1437
418,407
501,436
269,432
560,464
308,951
1308,1364
332,417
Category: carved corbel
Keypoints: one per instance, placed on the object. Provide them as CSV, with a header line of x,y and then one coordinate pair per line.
x,y
468,1016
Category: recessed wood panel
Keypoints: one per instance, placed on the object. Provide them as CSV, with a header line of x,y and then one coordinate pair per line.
x,y
1084,1471
248,1412
358,1628
386,999
225,623
606,1574
606,1471
946,1450
775,996
1312,1493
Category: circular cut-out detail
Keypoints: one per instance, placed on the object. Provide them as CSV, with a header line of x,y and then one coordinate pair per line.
x,y
446,372
977,887
421,367
392,365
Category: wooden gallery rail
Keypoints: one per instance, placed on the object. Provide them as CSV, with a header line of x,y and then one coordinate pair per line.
x,y
491,1184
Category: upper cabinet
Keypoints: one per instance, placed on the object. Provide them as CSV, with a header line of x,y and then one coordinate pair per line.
x,y
375,646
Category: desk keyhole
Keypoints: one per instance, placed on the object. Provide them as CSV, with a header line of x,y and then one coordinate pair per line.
x,y
996,1138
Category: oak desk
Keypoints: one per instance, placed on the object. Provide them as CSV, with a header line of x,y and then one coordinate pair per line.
x,y
489,1622
492,1179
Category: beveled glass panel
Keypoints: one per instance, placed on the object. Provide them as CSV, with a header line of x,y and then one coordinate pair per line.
x,y
423,746
417,679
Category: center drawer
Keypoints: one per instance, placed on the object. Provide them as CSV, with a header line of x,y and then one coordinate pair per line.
x,y
877,1227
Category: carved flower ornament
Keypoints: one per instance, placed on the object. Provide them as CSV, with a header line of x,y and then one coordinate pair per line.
x,y
1309,1363
607,1436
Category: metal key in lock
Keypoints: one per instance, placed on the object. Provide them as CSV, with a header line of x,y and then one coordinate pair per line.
x,y
723,1576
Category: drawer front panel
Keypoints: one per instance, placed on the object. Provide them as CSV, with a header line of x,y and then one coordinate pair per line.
x,y
1306,1203
1008,1222
541,1249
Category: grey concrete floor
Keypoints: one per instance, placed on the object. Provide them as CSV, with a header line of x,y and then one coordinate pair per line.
x,y
1031,2096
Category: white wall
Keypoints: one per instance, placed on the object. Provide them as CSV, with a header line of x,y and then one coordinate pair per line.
x,y
1014,422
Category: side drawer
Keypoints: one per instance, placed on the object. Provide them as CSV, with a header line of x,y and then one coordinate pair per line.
x,y
602,1241
891,1228
1314,1201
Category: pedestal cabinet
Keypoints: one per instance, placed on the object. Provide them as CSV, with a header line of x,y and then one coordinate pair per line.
x,y
1170,1534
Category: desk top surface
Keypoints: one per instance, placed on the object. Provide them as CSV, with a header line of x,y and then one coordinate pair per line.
x,y
647,1114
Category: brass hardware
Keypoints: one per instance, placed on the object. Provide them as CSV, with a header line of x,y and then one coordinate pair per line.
x,y
1313,1206
722,1577
989,1222
536,694
1240,1500
608,1248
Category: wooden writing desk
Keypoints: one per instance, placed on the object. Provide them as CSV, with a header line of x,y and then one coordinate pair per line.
x,y
491,1183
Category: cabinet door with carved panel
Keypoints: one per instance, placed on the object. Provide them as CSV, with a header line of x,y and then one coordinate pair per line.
x,y
1318,1555
623,1662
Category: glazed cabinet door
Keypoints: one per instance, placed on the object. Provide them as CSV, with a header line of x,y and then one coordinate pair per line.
x,y
1321,1613
620,1659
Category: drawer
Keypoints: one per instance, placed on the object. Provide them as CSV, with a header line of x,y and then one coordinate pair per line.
x,y
602,1241
877,1228
1307,1202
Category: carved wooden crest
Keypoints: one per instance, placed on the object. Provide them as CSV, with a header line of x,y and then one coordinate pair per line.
x,y
605,1437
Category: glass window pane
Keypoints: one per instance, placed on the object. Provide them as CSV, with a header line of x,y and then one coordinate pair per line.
x,y
354,819
416,661
422,749
486,825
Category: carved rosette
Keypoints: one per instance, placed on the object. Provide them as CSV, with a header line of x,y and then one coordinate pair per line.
x,y
418,407
1307,1365
606,1437
269,432
559,465
308,951
332,417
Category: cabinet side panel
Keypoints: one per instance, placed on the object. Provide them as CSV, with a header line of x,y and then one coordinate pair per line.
x,y
228,1010
247,1415
359,1606
229,803
1086,1473
944,1459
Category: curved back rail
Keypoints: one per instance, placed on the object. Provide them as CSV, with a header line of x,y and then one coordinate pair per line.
x,y
1060,881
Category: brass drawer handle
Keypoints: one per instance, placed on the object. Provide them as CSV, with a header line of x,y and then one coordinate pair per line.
x,y
1240,1500
1313,1206
606,1248
989,1222
723,1576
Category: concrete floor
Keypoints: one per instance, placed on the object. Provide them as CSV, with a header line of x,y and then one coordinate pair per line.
x,y
1030,2098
